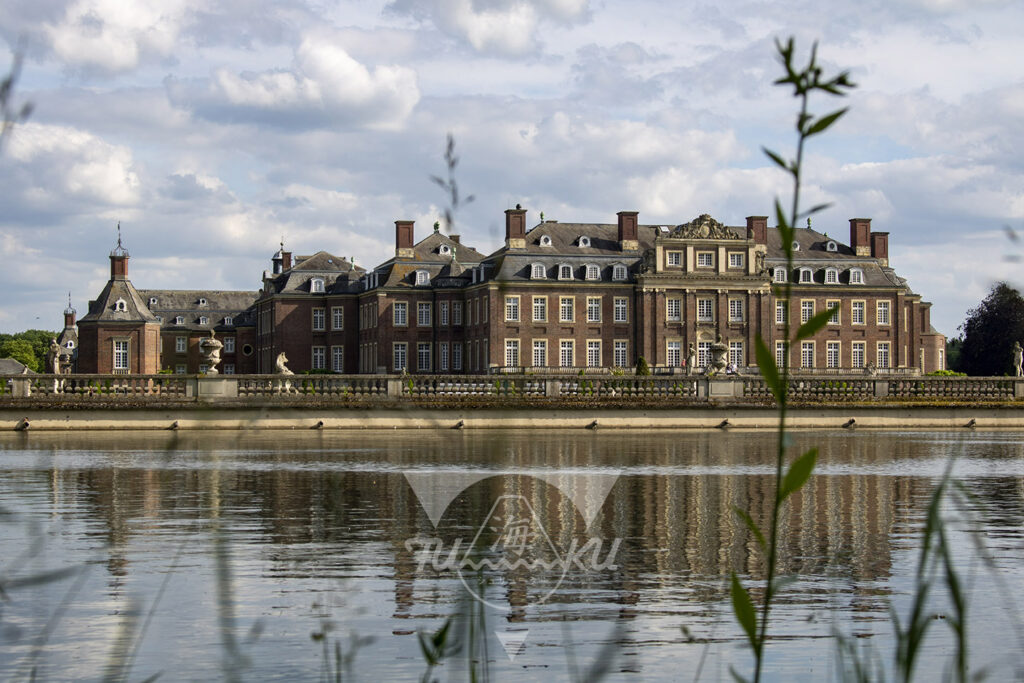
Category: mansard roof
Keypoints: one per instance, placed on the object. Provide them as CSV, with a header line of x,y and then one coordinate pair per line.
x,y
340,275
187,303
102,309
451,267
565,239
814,254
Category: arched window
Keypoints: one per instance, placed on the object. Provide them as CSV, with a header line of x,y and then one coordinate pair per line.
x,y
538,272
856,276
152,301
545,241
228,320
779,275
584,241
120,305
796,246
422,278
831,276
178,320
203,320
831,246
619,272
316,285
564,272
444,249
202,301
806,276
593,272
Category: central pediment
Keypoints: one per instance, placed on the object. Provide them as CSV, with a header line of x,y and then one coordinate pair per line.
x,y
704,227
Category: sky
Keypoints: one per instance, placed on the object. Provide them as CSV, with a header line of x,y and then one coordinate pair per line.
x,y
210,130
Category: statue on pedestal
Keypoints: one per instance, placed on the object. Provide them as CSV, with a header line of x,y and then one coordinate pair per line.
x,y
691,360
210,348
1018,359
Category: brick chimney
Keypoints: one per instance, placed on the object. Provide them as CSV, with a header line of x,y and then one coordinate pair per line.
x,y
757,229
69,317
286,260
404,239
515,228
860,236
880,247
628,231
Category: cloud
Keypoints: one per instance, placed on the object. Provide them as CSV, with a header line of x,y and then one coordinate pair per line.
x,y
506,28
325,86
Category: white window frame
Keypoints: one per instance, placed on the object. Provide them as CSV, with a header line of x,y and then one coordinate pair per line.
x,y
540,353
831,276
703,354
512,308
229,344
736,312
705,259
564,271
673,353
833,354
422,278
318,358
593,309
400,356
806,276
540,309
457,355
337,317
566,353
316,286
338,359
593,271
511,353
736,353
856,276
883,355
538,272
673,258
400,314
179,320
620,353
443,313
883,312
180,344
424,314
457,313
806,310
781,348
424,356
319,319
836,318
442,356
807,354
858,354
621,309
673,310
566,309
858,312
779,275
736,260
705,310
593,353
619,273
122,354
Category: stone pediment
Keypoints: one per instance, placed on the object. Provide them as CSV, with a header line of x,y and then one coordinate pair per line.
x,y
704,227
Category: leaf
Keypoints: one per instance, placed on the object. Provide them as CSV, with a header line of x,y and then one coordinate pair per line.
x,y
785,230
824,122
766,364
779,161
754,529
815,323
743,608
799,472
815,209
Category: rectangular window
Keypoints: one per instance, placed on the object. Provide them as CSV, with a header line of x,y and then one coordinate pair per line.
x,y
593,309
780,312
567,353
121,355
319,319
857,312
338,359
337,318
806,311
705,310
540,353
593,353
836,304
832,354
485,305
319,358
423,314
703,354
456,355
882,312
401,314
673,310
400,354
621,309
566,312
512,308
807,354
673,354
674,258
443,313
229,368
179,369
736,260
423,359
736,310
540,309
780,353
180,344
511,353
620,359
883,355
442,356
229,344
736,353
857,354
456,313
203,367
705,259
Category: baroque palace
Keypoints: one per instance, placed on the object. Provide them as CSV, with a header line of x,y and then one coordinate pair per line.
x,y
563,296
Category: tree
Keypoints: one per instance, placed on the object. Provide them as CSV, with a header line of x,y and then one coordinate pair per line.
x,y
21,351
989,333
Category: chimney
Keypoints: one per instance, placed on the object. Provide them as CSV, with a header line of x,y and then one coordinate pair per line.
x,y
880,247
455,238
628,231
860,236
69,318
119,259
286,260
403,239
757,229
515,228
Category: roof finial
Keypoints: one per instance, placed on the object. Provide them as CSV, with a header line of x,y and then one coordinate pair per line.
x,y
282,242
808,222
119,235
437,226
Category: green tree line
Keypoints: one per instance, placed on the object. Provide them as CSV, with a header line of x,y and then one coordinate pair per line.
x,y
29,348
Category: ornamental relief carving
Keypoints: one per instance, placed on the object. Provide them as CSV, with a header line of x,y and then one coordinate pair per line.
x,y
704,227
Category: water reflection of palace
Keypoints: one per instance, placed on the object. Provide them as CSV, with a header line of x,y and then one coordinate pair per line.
x,y
672,506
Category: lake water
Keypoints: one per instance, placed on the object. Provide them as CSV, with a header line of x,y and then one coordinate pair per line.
x,y
198,555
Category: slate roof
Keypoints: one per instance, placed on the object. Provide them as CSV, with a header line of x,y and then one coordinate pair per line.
x,y
813,253
339,274
604,239
102,308
9,366
443,269
171,303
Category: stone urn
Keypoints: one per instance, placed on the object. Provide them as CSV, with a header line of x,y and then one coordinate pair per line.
x,y
719,357
210,348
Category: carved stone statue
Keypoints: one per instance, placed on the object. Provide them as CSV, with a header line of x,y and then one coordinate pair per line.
x,y
704,227
1018,359
210,348
691,359
719,357
53,357
759,262
279,365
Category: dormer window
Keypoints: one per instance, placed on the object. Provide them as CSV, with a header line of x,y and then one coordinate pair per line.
x,y
538,272
564,272
120,305
152,301
831,246
831,276
228,320
584,241
316,285
70,344
806,276
796,245
179,320
203,320
545,241
593,272
422,278
779,275
856,276
202,301
444,249
619,272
